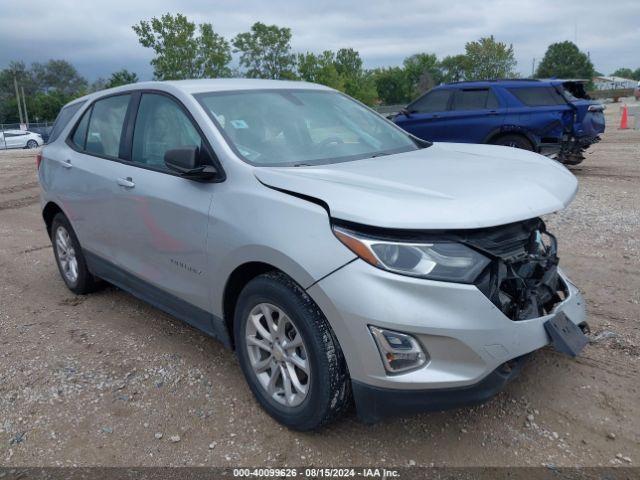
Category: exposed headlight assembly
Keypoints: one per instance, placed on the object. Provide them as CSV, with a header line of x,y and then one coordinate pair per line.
x,y
446,261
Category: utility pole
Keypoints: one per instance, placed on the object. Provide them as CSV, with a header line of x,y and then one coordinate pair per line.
x,y
15,84
533,66
24,104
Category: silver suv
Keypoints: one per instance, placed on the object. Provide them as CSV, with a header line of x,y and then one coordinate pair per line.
x,y
340,257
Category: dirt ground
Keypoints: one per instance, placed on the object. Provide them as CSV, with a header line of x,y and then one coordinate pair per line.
x,y
107,380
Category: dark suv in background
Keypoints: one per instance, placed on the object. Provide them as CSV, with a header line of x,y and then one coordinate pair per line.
x,y
553,117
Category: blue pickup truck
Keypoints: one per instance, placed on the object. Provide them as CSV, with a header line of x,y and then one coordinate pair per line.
x,y
553,117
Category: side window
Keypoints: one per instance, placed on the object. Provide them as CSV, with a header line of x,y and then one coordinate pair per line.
x,y
104,131
62,119
434,101
470,99
79,138
538,96
161,125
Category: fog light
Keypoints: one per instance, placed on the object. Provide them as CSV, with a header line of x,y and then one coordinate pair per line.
x,y
400,352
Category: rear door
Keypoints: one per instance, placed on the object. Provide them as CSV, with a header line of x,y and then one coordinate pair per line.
x,y
423,119
541,110
163,218
84,174
473,115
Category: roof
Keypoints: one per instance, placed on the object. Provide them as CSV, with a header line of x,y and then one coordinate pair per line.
x,y
514,82
208,85
504,82
227,84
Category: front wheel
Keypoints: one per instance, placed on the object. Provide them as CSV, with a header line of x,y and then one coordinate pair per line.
x,y
31,144
515,141
289,354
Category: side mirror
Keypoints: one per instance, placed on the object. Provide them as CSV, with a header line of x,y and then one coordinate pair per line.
x,y
181,159
405,112
185,162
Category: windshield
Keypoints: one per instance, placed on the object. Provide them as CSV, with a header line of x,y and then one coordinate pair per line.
x,y
301,127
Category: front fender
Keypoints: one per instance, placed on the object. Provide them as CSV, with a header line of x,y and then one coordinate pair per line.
x,y
272,227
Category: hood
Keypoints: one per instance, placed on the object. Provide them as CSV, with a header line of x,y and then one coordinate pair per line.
x,y
445,186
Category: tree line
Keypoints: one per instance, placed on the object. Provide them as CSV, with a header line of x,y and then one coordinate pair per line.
x,y
48,87
183,49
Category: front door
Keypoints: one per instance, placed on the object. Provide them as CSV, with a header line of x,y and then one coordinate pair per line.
x,y
424,115
474,114
163,217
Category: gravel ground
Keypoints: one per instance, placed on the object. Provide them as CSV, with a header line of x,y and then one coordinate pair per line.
x,y
108,380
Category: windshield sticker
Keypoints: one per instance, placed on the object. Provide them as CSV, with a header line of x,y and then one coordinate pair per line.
x,y
239,124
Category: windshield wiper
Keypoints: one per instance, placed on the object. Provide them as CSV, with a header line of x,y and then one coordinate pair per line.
x,y
379,154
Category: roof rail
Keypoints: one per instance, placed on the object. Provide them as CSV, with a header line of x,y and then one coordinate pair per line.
x,y
497,80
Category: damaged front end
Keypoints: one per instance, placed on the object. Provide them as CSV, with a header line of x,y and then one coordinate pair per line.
x,y
522,279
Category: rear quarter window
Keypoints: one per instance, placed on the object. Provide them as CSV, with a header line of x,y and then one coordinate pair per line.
x,y
538,96
63,119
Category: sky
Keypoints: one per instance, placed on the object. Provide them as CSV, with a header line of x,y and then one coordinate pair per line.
x,y
97,36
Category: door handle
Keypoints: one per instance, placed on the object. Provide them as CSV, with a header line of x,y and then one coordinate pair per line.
x,y
126,182
493,112
66,163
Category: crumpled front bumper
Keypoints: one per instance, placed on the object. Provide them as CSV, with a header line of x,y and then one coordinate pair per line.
x,y
467,337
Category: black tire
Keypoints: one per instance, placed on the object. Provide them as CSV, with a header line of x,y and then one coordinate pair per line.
x,y
514,140
31,144
328,393
84,282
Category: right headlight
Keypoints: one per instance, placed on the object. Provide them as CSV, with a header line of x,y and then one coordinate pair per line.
x,y
447,261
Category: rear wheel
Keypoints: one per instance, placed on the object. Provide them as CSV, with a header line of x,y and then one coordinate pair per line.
x,y
514,140
69,257
289,354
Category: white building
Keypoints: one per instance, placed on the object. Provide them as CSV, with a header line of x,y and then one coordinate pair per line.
x,y
613,83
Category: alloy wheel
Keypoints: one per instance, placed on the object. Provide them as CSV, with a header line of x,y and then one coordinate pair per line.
x,y
277,354
66,255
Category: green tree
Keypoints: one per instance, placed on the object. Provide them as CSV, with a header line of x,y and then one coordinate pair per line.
x,y
47,87
392,85
45,106
488,59
623,72
214,53
265,51
453,68
319,68
422,71
121,77
59,76
348,63
627,73
565,60
357,83
179,52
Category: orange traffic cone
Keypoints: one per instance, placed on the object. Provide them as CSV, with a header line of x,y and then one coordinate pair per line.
x,y
624,121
